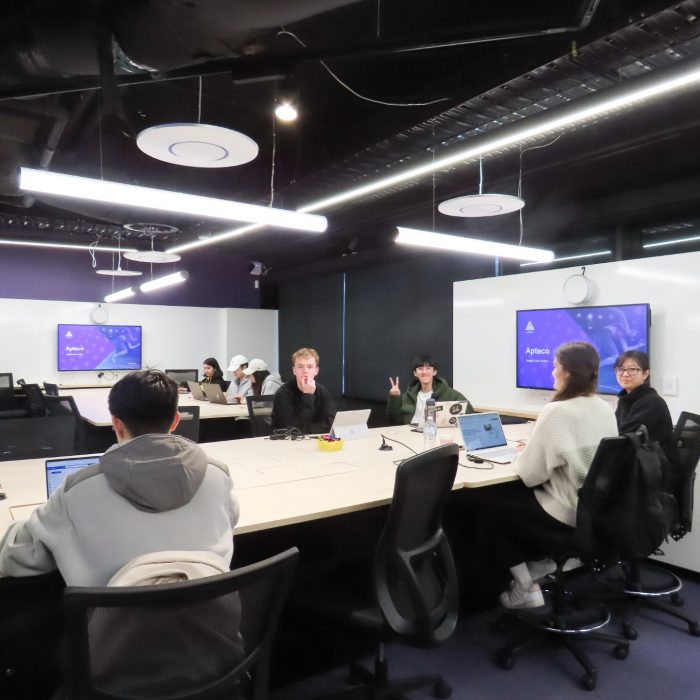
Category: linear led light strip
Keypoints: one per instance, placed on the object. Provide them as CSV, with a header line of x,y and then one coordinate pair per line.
x,y
68,246
460,244
676,241
581,256
543,127
151,286
163,200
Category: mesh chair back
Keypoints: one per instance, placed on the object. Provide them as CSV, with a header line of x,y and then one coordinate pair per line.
x,y
6,380
27,438
189,423
182,376
687,437
51,389
65,406
193,640
260,414
35,399
415,577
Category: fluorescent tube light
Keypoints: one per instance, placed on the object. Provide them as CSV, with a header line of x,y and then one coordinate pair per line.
x,y
164,200
460,244
166,281
121,294
213,239
676,241
581,256
67,246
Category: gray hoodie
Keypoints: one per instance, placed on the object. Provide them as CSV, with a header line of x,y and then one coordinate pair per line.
x,y
272,382
153,493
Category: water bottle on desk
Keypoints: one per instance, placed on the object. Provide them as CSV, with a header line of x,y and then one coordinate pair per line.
x,y
430,426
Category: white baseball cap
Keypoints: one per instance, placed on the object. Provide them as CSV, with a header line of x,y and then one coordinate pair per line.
x,y
236,362
255,365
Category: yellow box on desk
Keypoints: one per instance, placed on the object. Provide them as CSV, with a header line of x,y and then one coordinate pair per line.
x,y
330,445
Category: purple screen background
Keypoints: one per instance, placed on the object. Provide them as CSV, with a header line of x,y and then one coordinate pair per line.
x,y
610,329
83,347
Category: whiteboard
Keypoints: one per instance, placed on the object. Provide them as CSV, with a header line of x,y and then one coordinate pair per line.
x,y
484,338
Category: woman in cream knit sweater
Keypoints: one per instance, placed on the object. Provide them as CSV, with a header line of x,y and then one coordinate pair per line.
x,y
552,467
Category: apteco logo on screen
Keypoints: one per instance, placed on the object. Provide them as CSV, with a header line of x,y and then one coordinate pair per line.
x,y
68,334
537,351
529,328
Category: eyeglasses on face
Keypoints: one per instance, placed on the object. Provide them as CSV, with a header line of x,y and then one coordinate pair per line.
x,y
629,371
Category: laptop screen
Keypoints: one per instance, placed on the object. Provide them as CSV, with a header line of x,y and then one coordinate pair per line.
x,y
481,430
58,469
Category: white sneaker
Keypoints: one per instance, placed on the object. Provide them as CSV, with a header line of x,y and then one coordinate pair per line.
x,y
539,570
518,596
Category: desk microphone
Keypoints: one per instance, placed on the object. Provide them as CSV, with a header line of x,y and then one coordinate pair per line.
x,y
384,447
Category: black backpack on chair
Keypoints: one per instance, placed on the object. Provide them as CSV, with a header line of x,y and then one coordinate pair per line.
x,y
625,510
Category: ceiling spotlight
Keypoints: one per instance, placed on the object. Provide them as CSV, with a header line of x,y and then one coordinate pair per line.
x,y
286,112
257,268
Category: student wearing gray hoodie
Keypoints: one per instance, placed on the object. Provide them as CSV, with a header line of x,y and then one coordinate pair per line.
x,y
150,492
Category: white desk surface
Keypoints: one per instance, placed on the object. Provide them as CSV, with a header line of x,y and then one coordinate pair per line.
x,y
92,404
285,482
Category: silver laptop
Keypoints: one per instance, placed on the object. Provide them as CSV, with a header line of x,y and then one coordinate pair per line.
x,y
196,391
351,425
446,413
484,437
58,469
216,394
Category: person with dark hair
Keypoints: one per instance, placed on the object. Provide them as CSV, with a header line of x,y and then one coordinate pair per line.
x,y
152,491
427,383
639,404
264,382
212,373
552,467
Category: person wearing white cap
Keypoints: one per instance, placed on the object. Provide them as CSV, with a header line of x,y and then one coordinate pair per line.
x,y
264,382
240,385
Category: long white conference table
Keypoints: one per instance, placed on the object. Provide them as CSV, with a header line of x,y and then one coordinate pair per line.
x,y
92,404
283,482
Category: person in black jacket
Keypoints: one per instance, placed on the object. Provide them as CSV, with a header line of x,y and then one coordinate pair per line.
x,y
303,403
639,404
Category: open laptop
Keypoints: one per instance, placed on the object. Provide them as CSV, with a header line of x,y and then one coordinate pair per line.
x,y
484,437
58,469
446,413
351,425
215,394
196,391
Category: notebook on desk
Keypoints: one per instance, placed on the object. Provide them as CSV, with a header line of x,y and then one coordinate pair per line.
x,y
196,391
446,413
484,437
215,394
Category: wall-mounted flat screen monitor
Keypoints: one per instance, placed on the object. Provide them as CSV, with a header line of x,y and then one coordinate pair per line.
x,y
610,329
83,347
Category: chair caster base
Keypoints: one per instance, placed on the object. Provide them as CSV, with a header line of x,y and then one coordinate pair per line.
x,y
588,681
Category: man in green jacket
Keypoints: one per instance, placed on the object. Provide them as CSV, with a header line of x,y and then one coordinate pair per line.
x,y
410,406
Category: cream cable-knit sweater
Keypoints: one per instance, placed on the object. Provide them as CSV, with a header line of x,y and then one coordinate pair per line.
x,y
560,451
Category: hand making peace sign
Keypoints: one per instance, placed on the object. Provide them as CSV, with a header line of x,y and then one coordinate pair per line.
x,y
394,391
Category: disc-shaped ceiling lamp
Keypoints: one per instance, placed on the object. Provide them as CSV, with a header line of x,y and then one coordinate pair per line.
x,y
117,271
152,256
197,145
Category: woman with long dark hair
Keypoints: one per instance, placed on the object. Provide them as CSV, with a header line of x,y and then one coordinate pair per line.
x,y
552,467
212,374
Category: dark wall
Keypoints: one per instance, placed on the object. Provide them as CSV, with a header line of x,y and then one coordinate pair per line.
x,y
392,312
216,279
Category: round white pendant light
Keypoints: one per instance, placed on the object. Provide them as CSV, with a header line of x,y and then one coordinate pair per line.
x,y
197,145
119,273
475,205
152,256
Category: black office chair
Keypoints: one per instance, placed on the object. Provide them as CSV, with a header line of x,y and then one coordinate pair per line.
x,y
415,599
260,414
641,583
6,380
182,376
568,618
51,389
180,640
65,406
35,399
27,438
189,423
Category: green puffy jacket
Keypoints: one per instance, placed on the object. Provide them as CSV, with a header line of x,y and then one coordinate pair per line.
x,y
400,409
